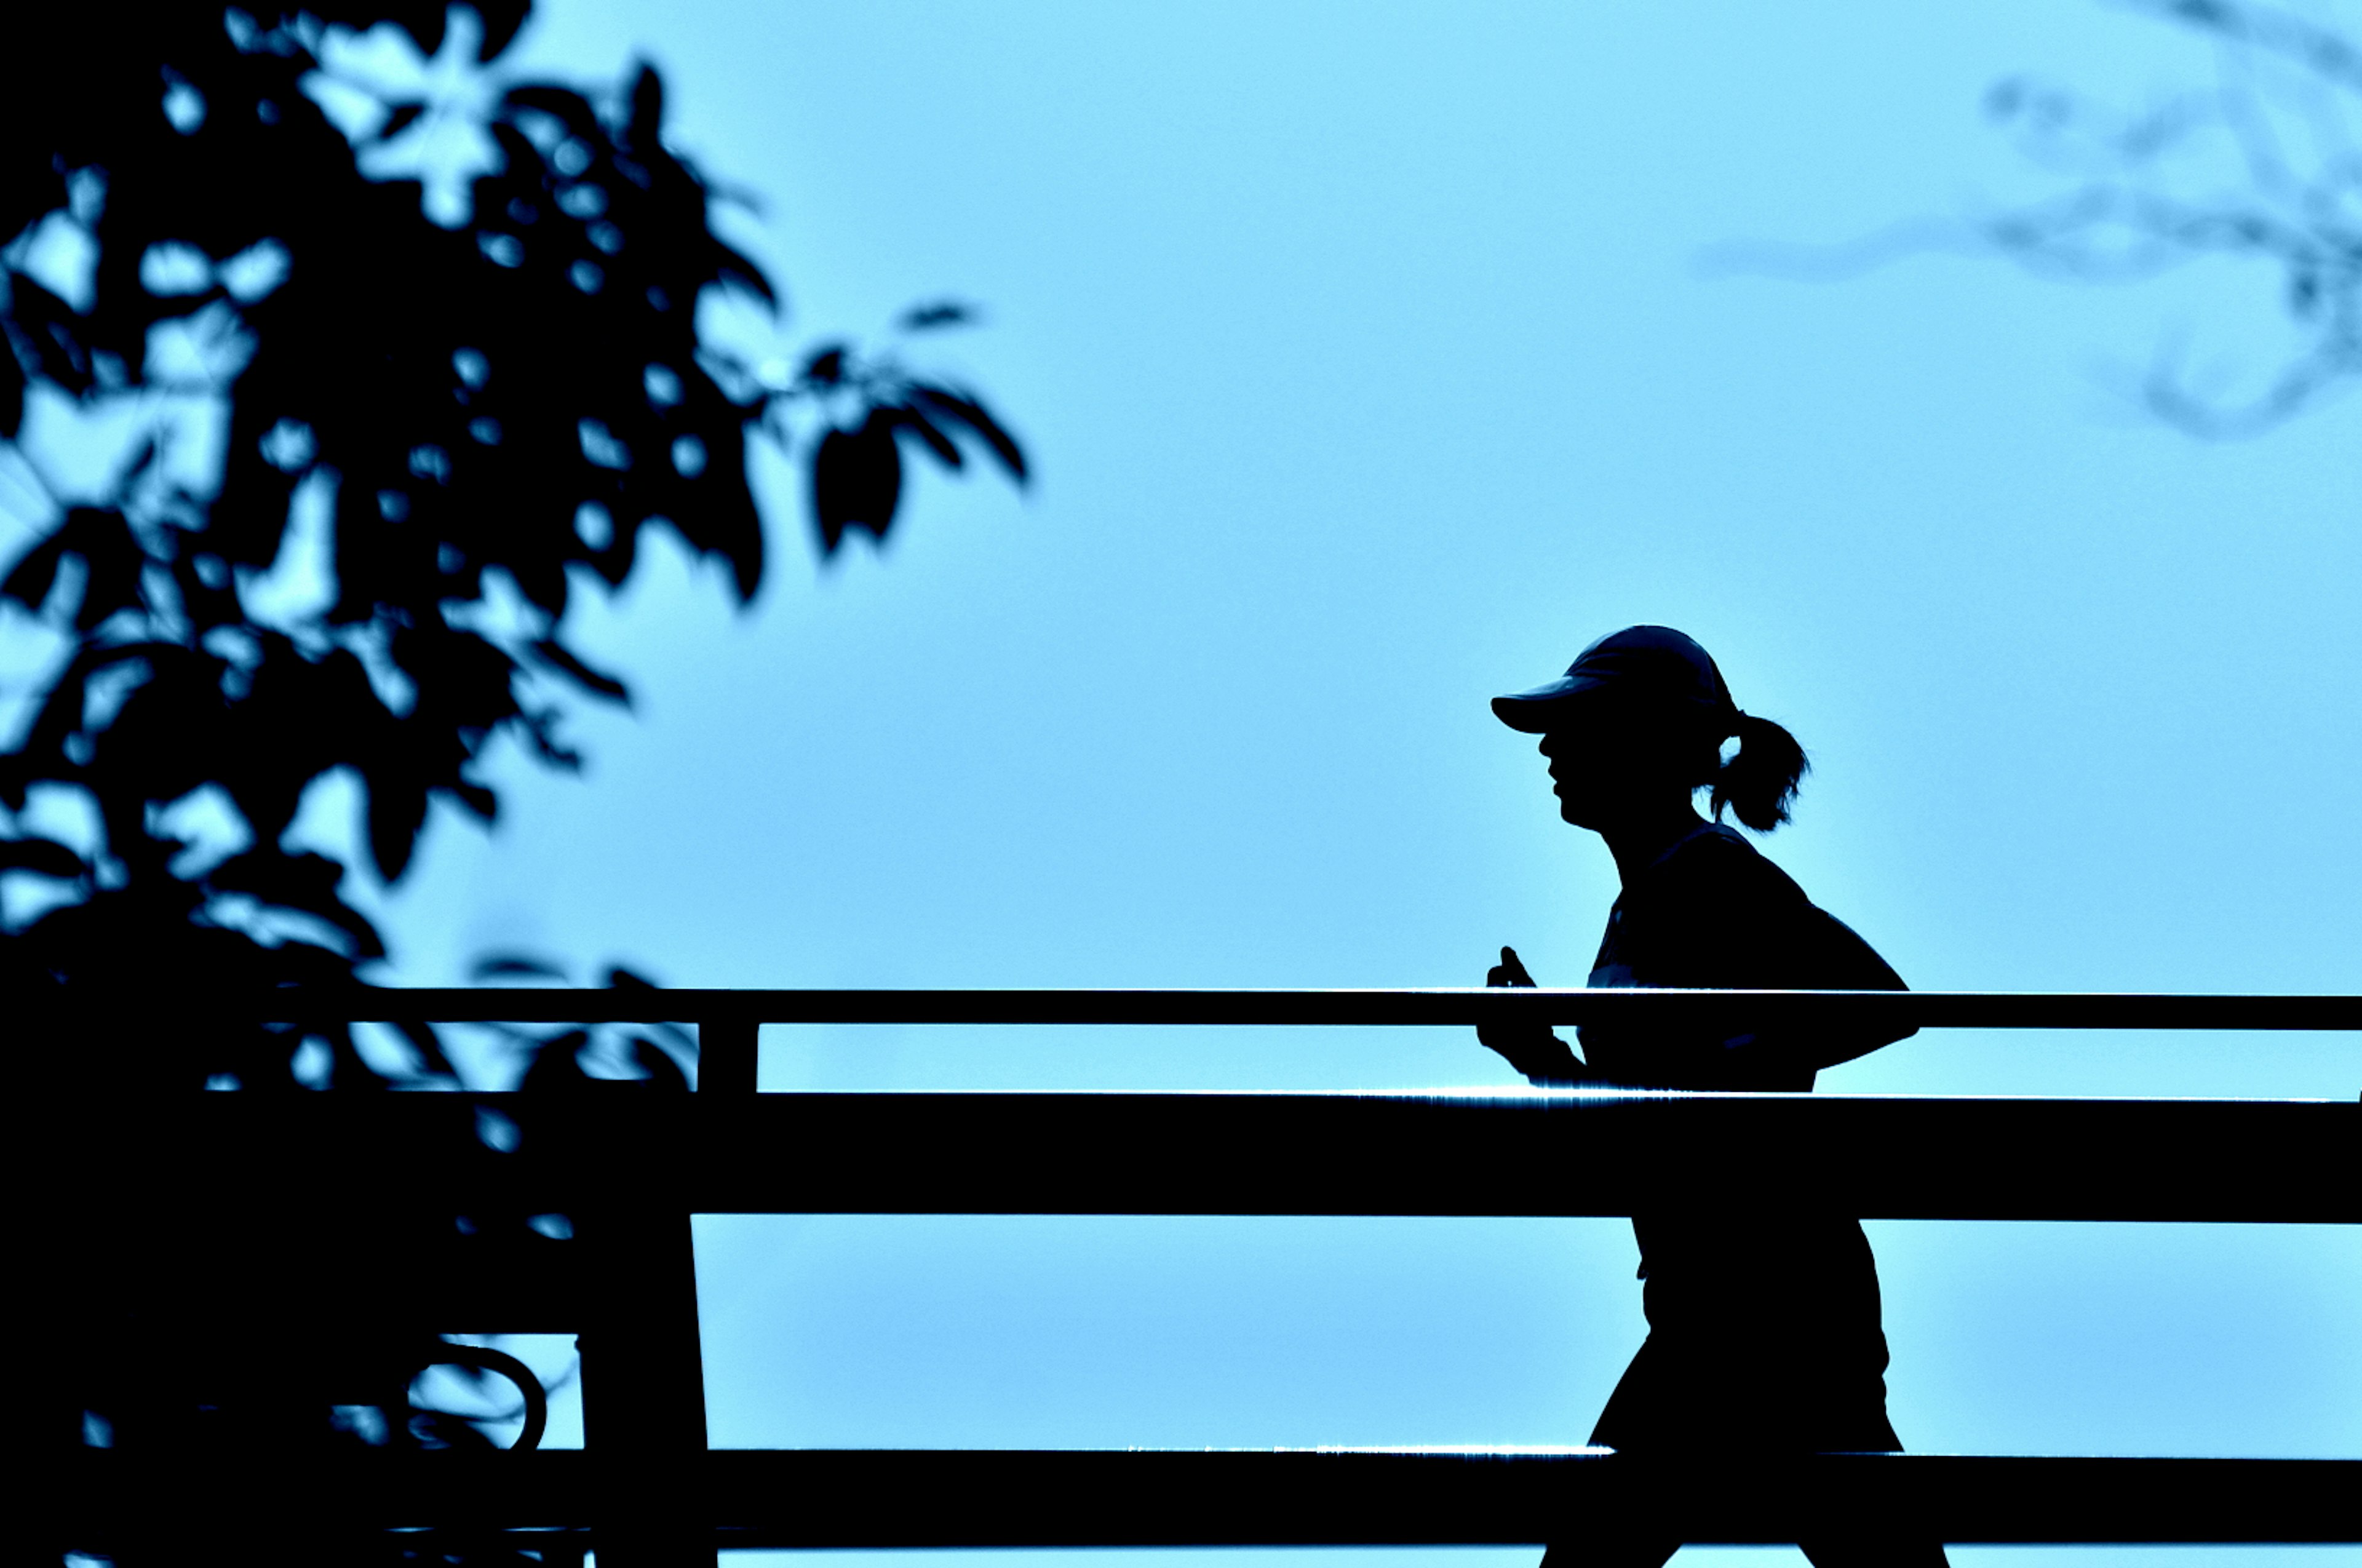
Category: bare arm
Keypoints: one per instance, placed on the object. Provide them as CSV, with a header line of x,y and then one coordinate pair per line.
x,y
1825,955
1842,961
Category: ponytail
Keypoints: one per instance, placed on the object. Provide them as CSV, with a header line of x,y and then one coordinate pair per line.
x,y
1760,780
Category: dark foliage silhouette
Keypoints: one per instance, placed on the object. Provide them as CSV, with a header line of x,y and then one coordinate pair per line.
x,y
1763,1312
484,417
381,430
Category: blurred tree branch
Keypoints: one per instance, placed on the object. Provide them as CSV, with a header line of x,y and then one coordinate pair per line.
x,y
2262,166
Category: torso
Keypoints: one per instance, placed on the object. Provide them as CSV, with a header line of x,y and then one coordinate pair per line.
x,y
1787,1292
1709,913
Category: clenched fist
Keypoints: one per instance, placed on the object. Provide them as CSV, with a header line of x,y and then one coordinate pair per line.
x,y
1533,1049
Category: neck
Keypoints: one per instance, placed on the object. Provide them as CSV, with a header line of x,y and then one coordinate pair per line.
x,y
1637,841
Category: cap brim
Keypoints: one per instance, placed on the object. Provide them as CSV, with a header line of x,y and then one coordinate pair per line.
x,y
1545,706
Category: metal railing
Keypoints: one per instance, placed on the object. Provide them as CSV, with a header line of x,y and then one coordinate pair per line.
x,y
632,1168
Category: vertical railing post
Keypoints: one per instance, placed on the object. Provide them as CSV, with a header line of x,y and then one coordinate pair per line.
x,y
642,1370
725,1056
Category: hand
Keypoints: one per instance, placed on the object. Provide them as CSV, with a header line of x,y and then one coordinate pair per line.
x,y
1512,1041
1509,971
1531,1048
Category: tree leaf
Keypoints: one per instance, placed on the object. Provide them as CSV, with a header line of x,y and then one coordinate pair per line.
x,y
397,810
424,24
478,800
950,404
733,268
49,328
502,19
663,1072
35,572
424,1040
400,119
559,657
41,857
641,133
856,479
927,430
307,883
111,553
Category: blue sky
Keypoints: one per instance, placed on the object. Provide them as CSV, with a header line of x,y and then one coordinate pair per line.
x,y
1373,363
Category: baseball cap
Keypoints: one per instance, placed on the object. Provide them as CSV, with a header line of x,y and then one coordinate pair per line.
x,y
1644,667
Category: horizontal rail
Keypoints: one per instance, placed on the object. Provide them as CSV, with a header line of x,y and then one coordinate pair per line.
x,y
1436,1006
789,1498
1583,1153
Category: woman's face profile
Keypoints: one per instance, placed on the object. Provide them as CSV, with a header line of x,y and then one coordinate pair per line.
x,y
1582,769
1604,773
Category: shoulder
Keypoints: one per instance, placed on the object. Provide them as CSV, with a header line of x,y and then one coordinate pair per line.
x,y
1721,876
1712,911
1716,863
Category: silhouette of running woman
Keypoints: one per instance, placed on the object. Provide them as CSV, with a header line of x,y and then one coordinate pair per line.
x,y
1763,1325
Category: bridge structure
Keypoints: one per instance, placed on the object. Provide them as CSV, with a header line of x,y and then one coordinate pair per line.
x,y
629,1170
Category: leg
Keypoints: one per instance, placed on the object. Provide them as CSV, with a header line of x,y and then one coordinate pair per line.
x,y
1869,1551
1634,1418
1856,1421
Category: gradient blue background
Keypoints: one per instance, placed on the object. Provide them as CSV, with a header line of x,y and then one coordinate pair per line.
x,y
1372,365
